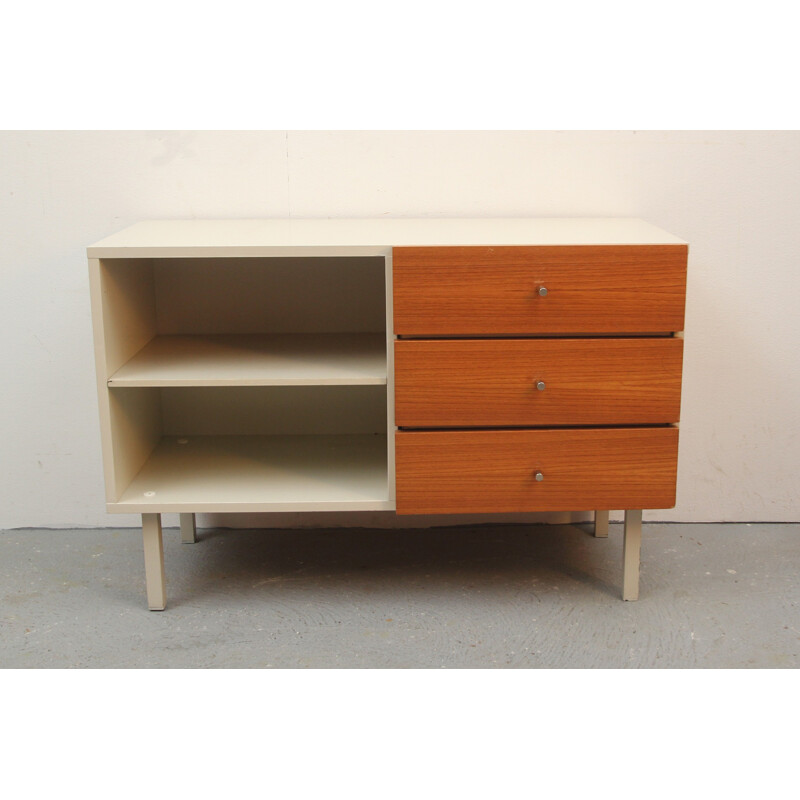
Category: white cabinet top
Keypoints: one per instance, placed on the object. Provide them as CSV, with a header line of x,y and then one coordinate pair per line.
x,y
198,238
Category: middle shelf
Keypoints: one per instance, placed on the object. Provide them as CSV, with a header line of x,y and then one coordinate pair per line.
x,y
277,359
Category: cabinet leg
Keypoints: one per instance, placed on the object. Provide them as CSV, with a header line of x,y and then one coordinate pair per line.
x,y
154,562
601,524
188,529
630,554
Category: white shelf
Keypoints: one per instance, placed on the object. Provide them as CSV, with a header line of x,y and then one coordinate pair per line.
x,y
296,359
214,474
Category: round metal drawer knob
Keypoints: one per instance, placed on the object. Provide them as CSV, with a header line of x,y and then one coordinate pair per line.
x,y
538,476
540,385
542,291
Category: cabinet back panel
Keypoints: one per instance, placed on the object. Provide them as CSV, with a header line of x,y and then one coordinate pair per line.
x,y
270,295
228,411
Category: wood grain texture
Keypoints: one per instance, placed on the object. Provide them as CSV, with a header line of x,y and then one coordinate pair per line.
x,y
492,382
443,472
493,290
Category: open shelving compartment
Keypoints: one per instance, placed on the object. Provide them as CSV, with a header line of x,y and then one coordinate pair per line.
x,y
244,383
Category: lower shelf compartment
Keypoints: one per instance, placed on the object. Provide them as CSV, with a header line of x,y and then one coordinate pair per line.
x,y
216,474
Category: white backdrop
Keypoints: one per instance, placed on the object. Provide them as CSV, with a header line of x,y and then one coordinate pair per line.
x,y
734,196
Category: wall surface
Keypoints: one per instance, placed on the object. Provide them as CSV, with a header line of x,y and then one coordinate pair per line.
x,y
734,196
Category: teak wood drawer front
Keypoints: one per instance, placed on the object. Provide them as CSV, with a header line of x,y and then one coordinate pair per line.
x,y
495,290
444,472
493,382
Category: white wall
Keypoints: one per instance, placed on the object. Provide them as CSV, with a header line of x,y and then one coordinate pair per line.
x,y
734,196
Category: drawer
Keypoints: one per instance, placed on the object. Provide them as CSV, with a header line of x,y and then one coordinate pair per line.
x,y
496,290
493,382
444,472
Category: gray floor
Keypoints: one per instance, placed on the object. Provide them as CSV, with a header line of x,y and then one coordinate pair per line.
x,y
510,596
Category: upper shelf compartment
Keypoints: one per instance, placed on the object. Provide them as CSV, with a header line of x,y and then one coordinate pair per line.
x,y
243,321
293,359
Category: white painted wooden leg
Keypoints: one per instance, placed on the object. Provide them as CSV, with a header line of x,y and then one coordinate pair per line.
x,y
188,529
601,524
154,562
630,554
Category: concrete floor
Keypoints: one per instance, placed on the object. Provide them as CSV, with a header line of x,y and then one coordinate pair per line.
x,y
488,596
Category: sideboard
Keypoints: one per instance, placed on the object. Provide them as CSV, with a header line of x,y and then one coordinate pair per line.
x,y
422,366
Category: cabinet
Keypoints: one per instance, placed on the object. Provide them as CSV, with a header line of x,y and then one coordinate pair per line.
x,y
423,366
